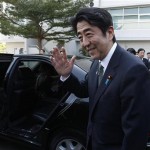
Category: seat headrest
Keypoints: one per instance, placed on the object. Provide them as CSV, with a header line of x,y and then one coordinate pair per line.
x,y
26,73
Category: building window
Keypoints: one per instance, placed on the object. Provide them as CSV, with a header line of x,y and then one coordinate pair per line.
x,y
117,15
144,10
130,22
131,18
130,11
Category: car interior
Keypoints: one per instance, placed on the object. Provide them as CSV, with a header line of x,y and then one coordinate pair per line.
x,y
34,94
3,68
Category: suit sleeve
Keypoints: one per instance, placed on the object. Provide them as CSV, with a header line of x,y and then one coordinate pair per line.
x,y
135,95
79,88
146,62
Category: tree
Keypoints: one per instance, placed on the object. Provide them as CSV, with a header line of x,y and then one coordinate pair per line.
x,y
39,19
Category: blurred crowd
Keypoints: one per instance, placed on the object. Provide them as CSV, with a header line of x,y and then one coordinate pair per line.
x,y
141,53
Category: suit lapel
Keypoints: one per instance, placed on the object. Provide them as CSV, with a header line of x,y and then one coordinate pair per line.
x,y
108,77
93,79
106,81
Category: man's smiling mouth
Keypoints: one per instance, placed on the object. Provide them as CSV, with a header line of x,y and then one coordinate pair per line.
x,y
90,49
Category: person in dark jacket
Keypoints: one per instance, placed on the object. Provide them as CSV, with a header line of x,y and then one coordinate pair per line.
x,y
132,51
118,106
148,58
141,53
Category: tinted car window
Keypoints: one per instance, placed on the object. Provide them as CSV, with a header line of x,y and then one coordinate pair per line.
x,y
82,69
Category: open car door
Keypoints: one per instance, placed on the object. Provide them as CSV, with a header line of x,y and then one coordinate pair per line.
x,y
5,61
34,95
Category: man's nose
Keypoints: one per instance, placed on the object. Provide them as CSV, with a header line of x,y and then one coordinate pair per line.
x,y
86,42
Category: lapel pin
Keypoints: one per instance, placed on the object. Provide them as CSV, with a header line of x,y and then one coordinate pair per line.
x,y
109,78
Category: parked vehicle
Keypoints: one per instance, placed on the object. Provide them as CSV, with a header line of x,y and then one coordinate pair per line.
x,y
34,107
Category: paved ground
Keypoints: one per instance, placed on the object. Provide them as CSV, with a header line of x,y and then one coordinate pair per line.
x,y
5,145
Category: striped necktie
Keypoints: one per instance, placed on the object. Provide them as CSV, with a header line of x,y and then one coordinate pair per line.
x,y
100,73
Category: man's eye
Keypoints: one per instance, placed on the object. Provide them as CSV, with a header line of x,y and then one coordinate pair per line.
x,y
88,34
80,38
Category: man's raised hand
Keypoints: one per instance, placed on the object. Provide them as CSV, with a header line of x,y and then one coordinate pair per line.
x,y
61,63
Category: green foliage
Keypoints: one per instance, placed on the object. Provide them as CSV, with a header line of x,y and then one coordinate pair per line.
x,y
39,19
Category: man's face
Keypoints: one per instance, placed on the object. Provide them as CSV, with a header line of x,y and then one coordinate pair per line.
x,y
141,54
94,41
148,56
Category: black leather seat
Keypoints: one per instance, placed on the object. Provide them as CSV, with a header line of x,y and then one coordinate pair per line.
x,y
47,90
23,97
25,78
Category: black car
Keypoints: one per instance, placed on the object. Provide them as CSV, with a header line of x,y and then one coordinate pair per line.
x,y
34,107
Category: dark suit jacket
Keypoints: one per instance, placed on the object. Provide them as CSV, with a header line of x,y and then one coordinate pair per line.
x,y
148,64
119,107
145,61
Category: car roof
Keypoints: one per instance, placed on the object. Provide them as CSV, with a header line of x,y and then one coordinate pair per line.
x,y
4,56
81,61
84,64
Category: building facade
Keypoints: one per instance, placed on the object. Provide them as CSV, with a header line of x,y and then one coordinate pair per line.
x,y
131,21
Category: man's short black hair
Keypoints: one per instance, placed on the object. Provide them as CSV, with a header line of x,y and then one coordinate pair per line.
x,y
141,49
131,50
98,17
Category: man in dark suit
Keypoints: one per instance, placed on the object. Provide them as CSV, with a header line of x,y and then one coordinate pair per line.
x,y
141,53
119,105
132,51
148,58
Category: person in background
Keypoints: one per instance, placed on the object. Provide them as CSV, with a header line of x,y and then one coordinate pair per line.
x,y
141,53
136,53
42,51
118,105
148,58
132,51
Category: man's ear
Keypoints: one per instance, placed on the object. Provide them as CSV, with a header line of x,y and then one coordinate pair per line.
x,y
111,32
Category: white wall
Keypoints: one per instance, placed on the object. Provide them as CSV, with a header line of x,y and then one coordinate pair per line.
x,y
133,34
136,38
14,47
33,50
117,3
72,47
50,45
136,45
30,43
96,3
